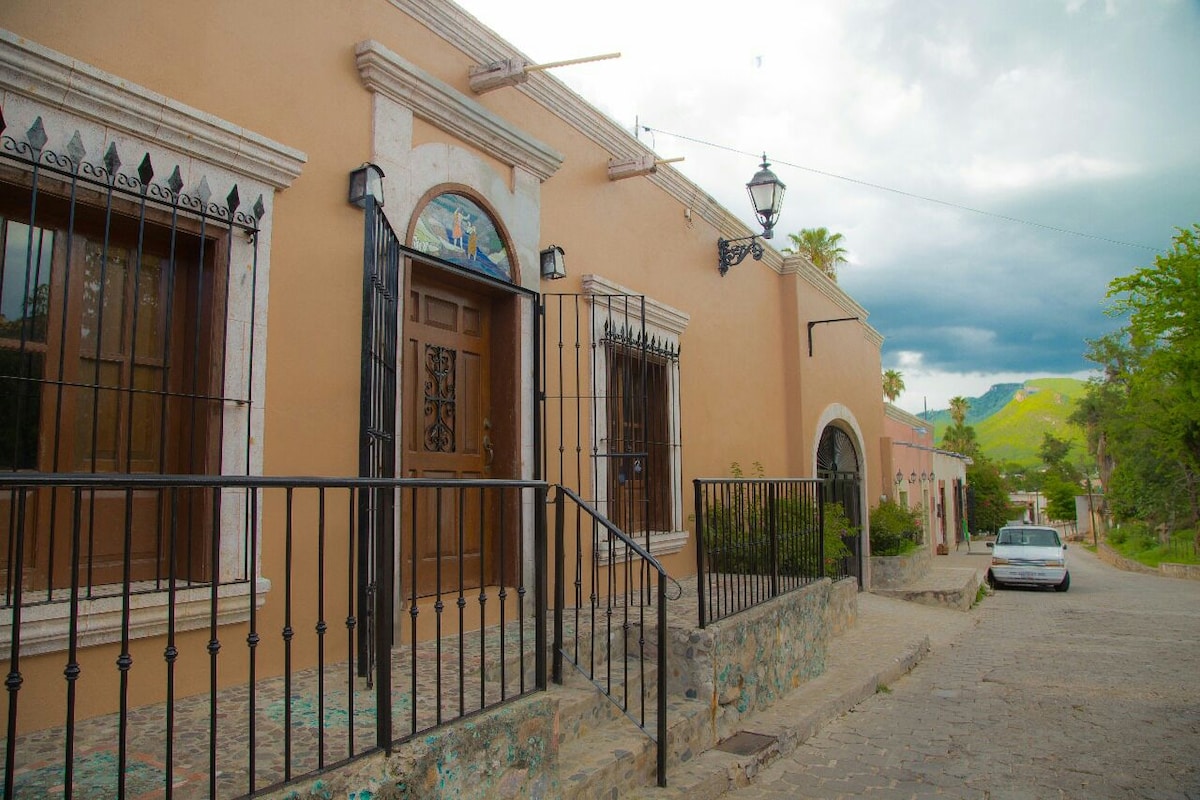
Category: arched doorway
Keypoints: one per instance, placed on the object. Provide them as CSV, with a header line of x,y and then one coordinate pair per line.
x,y
838,465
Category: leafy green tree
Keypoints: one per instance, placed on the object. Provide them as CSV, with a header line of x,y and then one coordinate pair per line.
x,y
1145,411
990,494
1060,497
959,406
822,248
961,439
893,384
1053,450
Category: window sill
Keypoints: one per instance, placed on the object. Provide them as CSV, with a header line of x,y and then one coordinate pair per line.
x,y
662,543
46,628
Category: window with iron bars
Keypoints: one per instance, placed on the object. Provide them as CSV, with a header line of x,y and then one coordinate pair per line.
x,y
639,442
111,360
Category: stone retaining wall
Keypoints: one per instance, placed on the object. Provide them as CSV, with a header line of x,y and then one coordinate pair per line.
x,y
1188,571
1111,556
892,572
744,663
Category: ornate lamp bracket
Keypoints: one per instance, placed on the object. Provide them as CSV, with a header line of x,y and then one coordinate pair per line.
x,y
732,252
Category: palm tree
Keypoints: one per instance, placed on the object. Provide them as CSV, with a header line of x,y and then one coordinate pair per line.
x,y
893,384
958,410
822,248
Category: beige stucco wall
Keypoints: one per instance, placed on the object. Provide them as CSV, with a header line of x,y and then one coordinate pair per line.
x,y
750,391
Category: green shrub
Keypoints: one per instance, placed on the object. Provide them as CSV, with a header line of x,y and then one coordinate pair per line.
x,y
737,535
1137,541
895,529
837,529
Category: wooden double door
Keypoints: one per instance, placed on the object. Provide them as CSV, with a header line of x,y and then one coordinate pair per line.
x,y
456,538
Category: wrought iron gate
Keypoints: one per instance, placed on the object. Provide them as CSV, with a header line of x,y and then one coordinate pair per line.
x,y
607,402
838,467
377,426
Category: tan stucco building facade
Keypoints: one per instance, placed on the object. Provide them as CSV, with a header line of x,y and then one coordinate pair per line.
x,y
282,100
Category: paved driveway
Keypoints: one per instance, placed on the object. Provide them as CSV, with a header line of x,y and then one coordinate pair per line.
x,y
1090,694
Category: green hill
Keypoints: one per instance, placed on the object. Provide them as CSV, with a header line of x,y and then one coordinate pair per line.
x,y
981,407
1012,430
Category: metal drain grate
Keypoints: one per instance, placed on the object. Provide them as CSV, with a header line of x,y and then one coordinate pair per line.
x,y
744,743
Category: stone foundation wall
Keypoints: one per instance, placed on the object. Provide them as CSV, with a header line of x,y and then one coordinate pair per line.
x,y
843,606
1189,571
747,662
510,751
891,572
1110,556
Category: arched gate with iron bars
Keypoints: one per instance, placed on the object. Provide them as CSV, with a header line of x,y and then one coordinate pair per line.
x,y
839,468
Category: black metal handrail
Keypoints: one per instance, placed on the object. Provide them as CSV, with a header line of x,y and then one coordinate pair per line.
x,y
617,577
757,538
260,697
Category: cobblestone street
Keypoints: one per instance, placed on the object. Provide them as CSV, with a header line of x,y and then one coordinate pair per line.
x,y
1088,694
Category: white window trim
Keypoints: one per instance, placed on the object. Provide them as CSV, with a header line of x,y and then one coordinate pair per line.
x,y
667,325
71,96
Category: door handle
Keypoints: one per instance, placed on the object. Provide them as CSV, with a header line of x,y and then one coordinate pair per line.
x,y
489,453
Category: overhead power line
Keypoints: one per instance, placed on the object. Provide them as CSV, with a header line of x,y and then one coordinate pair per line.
x,y
911,195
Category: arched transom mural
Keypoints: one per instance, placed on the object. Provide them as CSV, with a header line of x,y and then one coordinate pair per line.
x,y
454,228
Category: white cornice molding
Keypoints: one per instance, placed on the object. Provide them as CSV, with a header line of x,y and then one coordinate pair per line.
x,y
46,76
803,268
483,45
904,417
443,106
659,315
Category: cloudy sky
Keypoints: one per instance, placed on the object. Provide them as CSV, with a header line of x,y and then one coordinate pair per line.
x,y
992,164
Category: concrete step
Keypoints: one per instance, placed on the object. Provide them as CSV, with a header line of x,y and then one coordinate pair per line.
x,y
943,587
616,758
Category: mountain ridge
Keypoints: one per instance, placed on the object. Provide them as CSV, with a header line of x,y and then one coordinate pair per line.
x,y
1010,419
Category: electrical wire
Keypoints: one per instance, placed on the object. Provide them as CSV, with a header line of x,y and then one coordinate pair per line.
x,y
911,195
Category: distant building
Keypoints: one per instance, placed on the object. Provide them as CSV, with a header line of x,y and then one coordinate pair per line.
x,y
923,477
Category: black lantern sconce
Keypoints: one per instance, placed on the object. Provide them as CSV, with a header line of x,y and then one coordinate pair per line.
x,y
766,193
924,477
366,181
553,264
899,477
912,477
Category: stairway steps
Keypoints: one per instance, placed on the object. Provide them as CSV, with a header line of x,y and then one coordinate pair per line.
x,y
613,758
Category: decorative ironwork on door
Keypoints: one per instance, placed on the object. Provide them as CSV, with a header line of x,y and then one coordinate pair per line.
x,y
440,383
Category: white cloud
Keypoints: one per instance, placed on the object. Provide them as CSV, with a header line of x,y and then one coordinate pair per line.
x,y
928,389
1050,112
986,173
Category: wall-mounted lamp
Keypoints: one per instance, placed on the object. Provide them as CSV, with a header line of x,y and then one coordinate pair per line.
x,y
766,193
899,477
912,476
553,265
366,181
924,477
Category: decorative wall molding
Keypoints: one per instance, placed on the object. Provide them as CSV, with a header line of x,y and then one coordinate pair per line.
x,y
57,81
483,45
46,628
443,106
658,315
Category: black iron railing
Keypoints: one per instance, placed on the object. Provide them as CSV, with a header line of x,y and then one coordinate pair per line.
x,y
757,539
244,645
619,597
